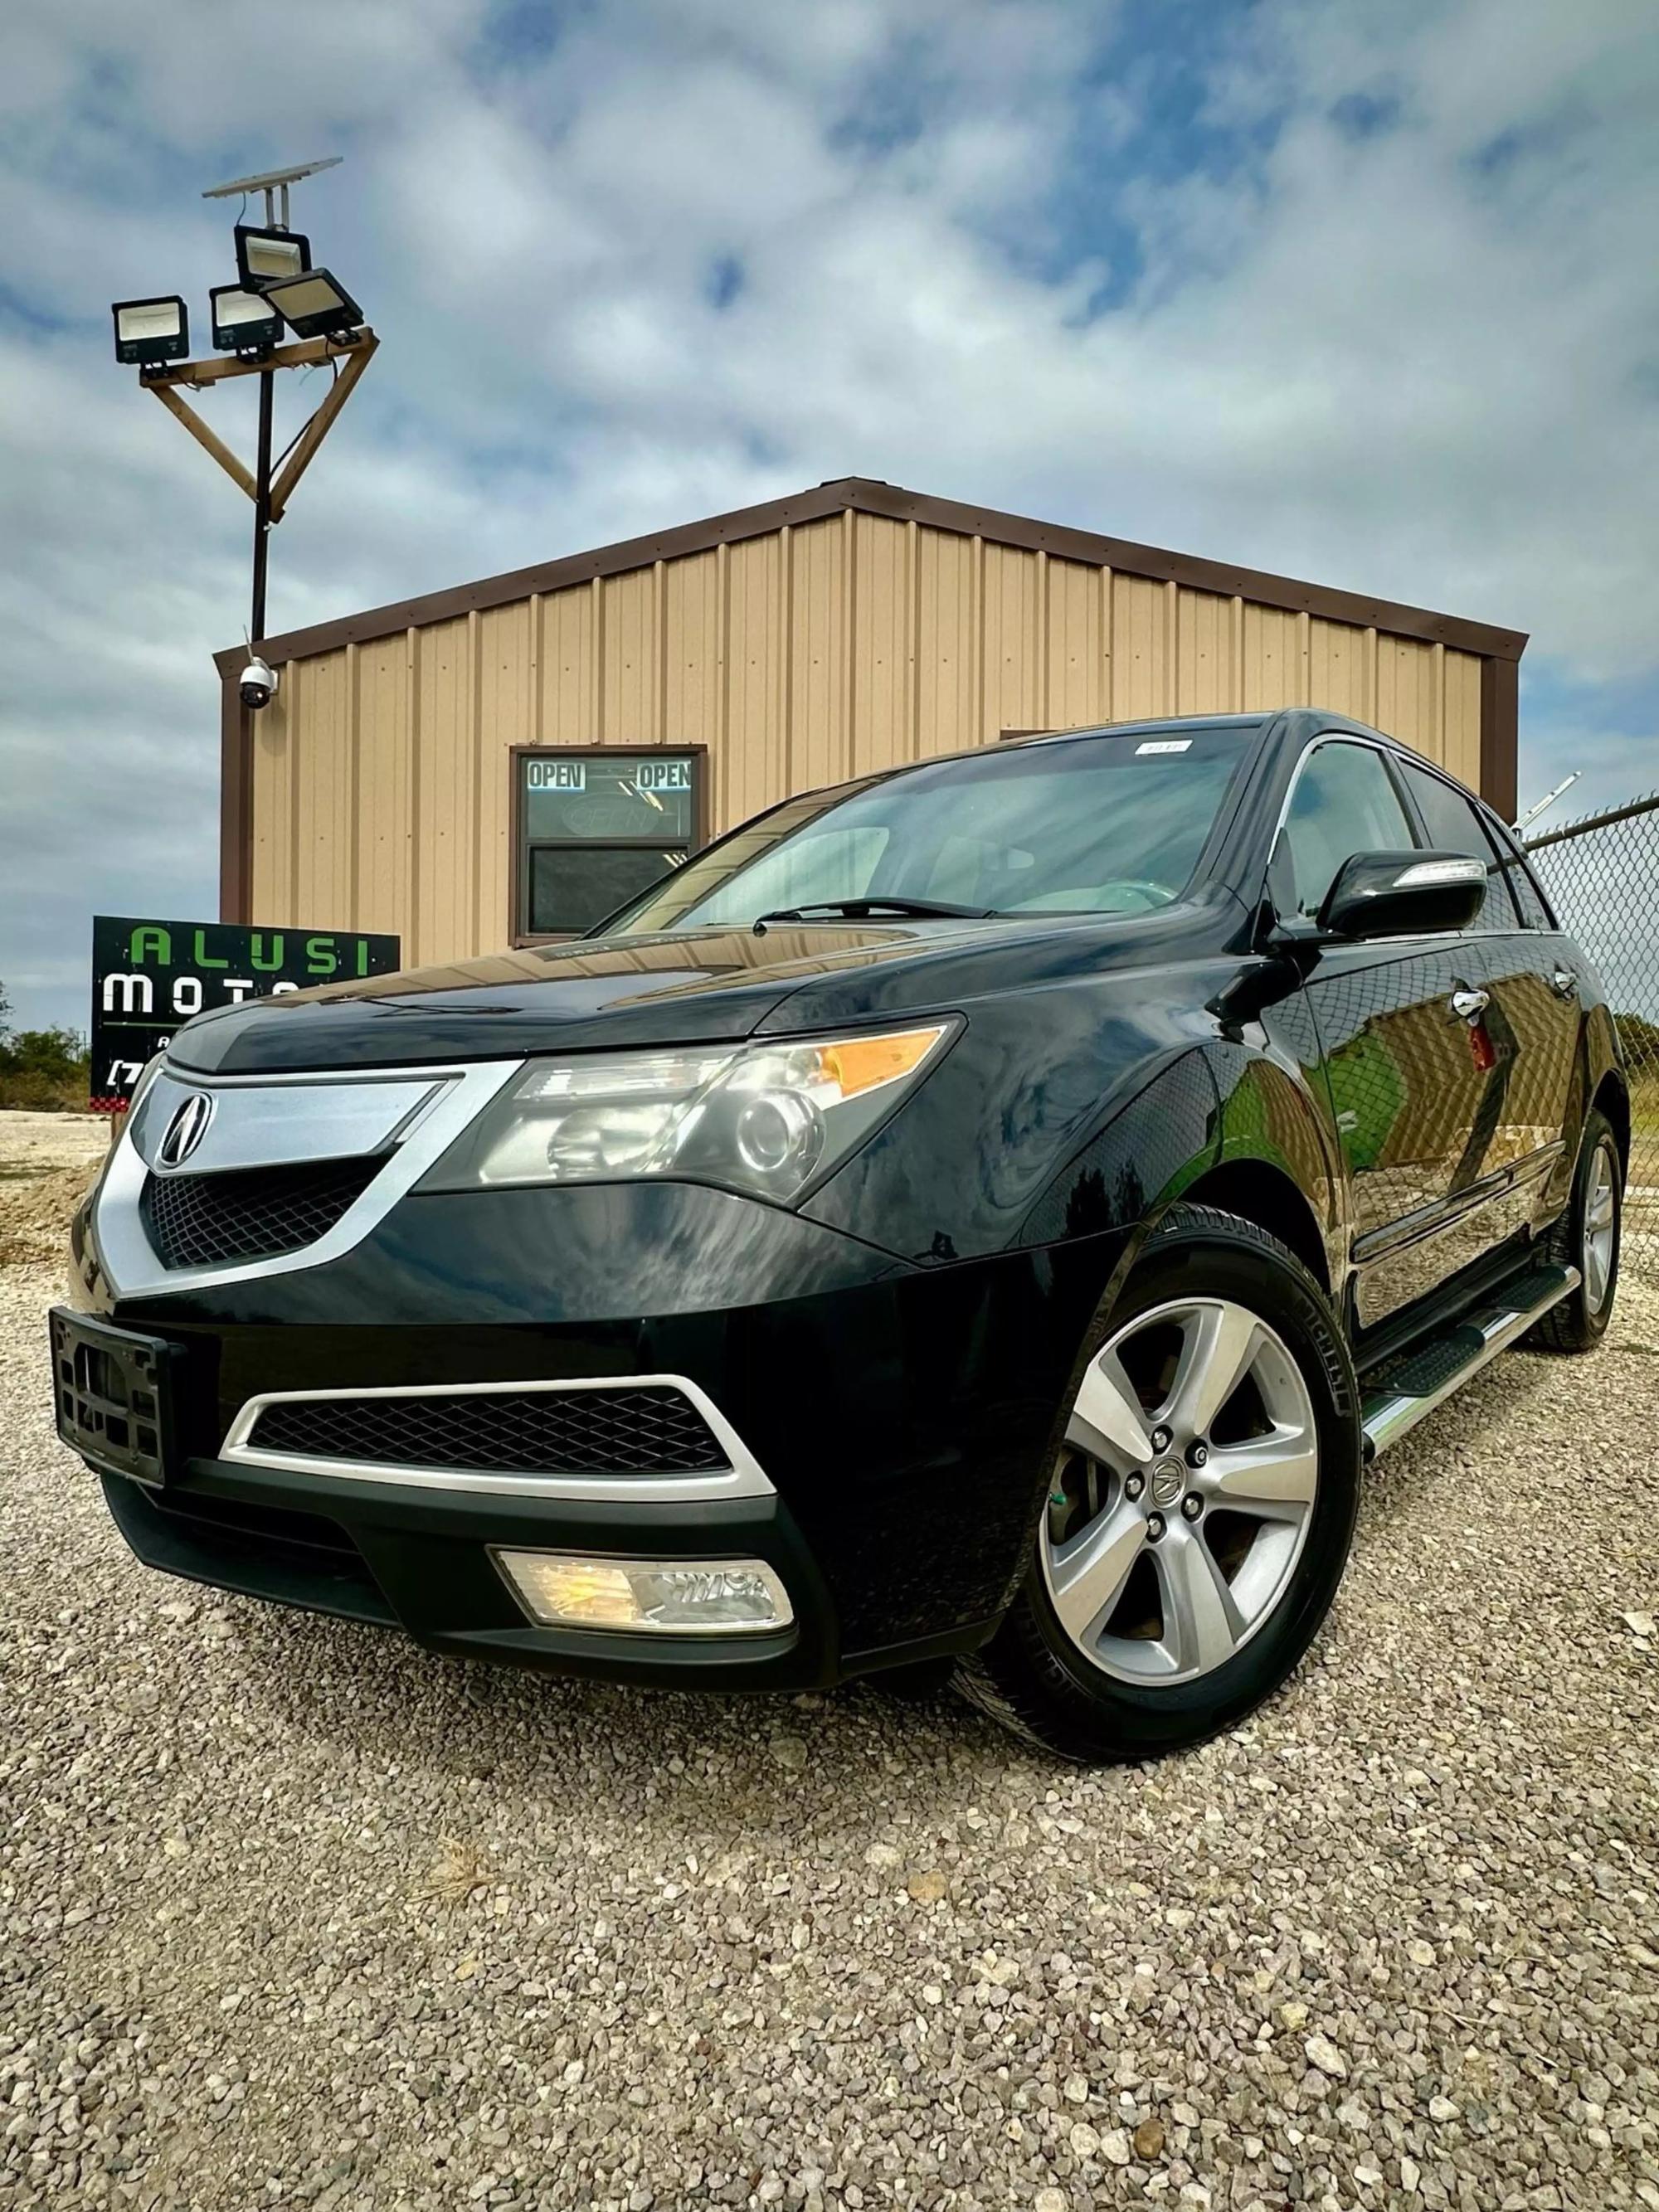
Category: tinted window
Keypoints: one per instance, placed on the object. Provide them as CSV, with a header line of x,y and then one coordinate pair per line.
x,y
1343,803
574,886
1523,885
1454,824
1109,824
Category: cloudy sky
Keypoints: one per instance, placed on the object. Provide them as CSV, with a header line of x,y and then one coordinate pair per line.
x,y
1365,293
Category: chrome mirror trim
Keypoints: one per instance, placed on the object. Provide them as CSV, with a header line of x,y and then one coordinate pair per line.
x,y
1425,873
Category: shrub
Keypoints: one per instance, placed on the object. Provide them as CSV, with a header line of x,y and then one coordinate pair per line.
x,y
43,1071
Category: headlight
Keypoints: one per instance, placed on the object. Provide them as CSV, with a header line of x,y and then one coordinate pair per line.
x,y
765,1118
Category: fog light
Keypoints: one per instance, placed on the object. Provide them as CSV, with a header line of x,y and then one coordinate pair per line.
x,y
656,1597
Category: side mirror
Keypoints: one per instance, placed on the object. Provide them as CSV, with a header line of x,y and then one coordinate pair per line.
x,y
1404,894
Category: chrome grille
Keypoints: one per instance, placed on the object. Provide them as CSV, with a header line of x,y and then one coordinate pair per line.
x,y
251,1214
652,1430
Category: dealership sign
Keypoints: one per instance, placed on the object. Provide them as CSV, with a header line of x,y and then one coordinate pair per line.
x,y
149,977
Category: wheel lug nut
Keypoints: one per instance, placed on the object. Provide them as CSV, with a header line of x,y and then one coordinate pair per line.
x,y
1198,1453
1133,1486
1154,1526
1161,1440
1192,1505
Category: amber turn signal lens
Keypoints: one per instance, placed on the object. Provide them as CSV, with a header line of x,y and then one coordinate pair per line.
x,y
861,1064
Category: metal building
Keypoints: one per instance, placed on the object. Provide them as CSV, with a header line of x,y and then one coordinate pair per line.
x,y
465,768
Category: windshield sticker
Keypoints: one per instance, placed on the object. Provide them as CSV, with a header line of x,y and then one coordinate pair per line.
x,y
1163,745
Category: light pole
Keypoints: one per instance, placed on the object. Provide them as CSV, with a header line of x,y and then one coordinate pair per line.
x,y
276,288
262,508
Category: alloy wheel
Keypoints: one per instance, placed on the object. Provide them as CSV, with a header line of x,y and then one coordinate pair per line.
x,y
1184,1491
1600,1226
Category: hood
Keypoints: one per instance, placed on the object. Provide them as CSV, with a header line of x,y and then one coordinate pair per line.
x,y
694,986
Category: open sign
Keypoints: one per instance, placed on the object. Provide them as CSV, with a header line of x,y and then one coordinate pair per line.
x,y
662,775
556,775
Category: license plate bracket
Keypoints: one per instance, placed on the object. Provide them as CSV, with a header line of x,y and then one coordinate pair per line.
x,y
114,1395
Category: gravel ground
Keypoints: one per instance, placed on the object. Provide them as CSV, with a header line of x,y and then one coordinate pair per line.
x,y
292,1913
47,1160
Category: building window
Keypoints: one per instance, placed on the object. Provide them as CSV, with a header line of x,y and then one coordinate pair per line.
x,y
596,826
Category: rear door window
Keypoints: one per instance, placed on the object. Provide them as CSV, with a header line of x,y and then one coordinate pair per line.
x,y
1454,824
1523,885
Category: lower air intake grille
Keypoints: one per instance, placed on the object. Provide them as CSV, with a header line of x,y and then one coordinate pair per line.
x,y
623,1432
249,1213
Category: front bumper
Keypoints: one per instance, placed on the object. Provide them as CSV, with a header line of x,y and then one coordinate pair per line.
x,y
420,1560
901,1412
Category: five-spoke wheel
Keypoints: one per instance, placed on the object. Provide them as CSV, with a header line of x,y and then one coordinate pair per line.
x,y
1200,1506
1182,1495
1601,1223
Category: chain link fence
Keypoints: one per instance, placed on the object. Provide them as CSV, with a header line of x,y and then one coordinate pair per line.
x,y
1602,876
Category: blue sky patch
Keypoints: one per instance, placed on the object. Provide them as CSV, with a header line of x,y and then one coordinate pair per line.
x,y
724,281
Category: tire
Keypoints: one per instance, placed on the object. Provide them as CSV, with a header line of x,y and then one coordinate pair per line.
x,y
1212,1614
1580,1320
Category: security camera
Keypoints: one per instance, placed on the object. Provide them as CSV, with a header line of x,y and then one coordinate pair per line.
x,y
257,684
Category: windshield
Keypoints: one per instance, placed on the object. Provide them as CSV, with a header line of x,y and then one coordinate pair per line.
x,y
1107,824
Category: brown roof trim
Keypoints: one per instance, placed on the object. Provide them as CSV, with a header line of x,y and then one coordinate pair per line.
x,y
1188,569
1500,736
866,496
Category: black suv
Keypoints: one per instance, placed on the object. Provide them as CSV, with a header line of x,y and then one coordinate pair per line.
x,y
987,1213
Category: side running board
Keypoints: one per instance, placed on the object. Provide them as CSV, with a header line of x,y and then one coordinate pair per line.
x,y
1412,1383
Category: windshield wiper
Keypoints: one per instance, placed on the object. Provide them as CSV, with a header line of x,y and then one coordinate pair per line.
x,y
860,910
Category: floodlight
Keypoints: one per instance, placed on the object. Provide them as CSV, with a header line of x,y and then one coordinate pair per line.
x,y
269,252
150,331
242,323
313,304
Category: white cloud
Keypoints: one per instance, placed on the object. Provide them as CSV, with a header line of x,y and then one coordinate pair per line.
x,y
1423,363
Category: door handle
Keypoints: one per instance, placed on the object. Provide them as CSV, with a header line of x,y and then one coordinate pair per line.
x,y
1469,1005
1563,983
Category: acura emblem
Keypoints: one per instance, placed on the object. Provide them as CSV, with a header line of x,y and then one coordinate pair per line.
x,y
185,1130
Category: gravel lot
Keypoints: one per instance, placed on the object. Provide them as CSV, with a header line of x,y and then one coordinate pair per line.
x,y
292,1913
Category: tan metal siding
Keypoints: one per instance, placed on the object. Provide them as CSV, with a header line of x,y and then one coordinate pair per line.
x,y
1461,751
749,768
1204,677
504,709
690,650
322,789
380,814
1079,672
817,651
1014,659
1406,693
381,795
274,745
568,666
1139,660
1271,668
629,683
479,680
948,576
1337,675
882,622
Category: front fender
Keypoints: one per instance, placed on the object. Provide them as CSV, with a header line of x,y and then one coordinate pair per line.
x,y
1270,1115
1060,1114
